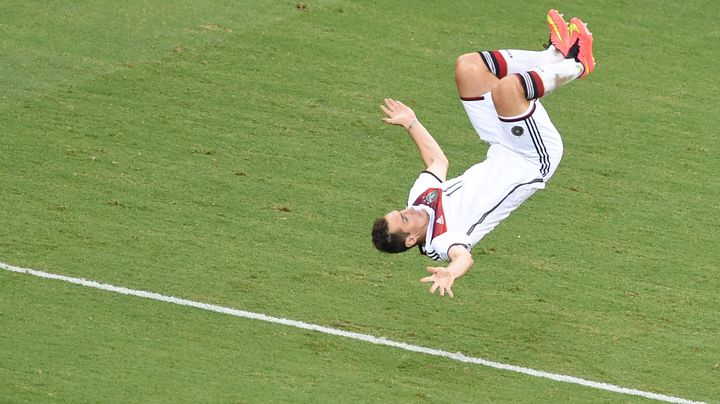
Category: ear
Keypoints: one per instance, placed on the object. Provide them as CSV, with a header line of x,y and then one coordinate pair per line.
x,y
410,241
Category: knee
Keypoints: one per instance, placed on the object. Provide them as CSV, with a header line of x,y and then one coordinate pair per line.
x,y
472,76
508,86
469,63
509,97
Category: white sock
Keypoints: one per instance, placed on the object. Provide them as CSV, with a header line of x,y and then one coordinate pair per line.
x,y
558,74
510,61
541,80
523,60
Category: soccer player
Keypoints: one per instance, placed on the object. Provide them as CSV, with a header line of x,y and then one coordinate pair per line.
x,y
500,91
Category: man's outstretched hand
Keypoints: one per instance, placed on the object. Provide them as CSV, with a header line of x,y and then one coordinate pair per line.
x,y
398,113
441,278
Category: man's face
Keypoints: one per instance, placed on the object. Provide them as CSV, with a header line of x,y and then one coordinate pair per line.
x,y
411,221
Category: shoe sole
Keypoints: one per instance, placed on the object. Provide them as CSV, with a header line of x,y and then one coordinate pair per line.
x,y
558,27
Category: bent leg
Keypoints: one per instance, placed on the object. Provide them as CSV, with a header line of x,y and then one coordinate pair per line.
x,y
509,97
472,76
503,83
513,93
526,127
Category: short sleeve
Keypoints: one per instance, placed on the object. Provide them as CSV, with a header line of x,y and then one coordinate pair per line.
x,y
441,244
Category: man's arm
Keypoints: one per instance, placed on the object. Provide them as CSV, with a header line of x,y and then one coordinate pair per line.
x,y
431,153
443,278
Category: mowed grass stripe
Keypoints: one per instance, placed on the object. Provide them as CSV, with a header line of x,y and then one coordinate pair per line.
x,y
346,334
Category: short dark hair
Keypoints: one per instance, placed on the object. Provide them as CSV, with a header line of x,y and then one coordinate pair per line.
x,y
386,241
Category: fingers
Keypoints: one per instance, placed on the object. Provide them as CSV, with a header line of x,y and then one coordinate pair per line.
x,y
436,285
443,289
387,106
392,104
390,109
437,282
430,278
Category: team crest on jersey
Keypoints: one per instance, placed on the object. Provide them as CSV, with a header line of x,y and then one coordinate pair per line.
x,y
517,131
431,196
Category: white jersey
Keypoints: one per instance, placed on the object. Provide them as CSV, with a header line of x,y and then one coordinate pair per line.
x,y
466,208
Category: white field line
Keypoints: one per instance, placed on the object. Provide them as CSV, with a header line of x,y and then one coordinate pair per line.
x,y
457,356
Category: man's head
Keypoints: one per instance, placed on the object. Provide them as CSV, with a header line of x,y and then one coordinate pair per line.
x,y
399,230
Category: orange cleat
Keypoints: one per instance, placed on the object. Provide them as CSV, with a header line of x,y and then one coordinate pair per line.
x,y
581,49
559,34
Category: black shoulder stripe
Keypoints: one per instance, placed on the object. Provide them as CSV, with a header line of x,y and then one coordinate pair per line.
x,y
428,172
467,247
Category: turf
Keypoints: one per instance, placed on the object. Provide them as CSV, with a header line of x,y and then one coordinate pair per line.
x,y
234,154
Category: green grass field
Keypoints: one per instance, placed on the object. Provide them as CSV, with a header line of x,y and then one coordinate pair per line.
x,y
233,153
